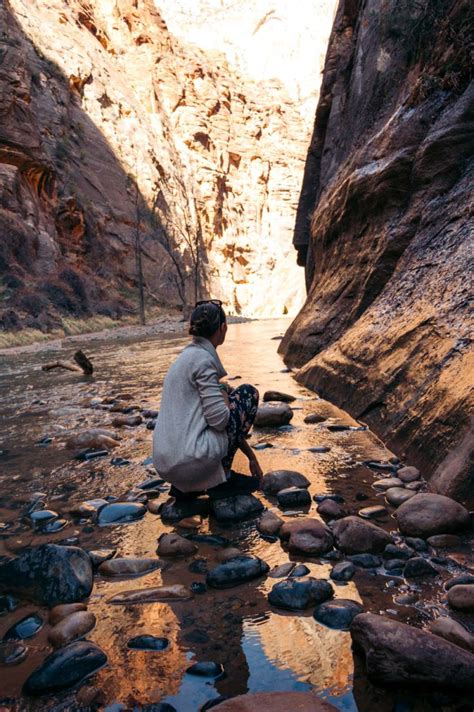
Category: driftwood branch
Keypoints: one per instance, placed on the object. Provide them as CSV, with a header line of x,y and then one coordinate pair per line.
x,y
79,364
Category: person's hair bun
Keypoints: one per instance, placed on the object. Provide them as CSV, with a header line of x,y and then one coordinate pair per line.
x,y
206,319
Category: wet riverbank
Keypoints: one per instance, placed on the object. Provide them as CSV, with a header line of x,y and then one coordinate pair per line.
x,y
259,646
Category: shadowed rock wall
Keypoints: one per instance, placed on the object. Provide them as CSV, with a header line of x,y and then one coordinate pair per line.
x,y
383,228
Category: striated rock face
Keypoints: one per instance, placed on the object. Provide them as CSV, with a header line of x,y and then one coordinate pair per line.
x,y
383,229
114,134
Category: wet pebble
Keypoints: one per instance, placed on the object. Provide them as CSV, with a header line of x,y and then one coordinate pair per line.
x,y
418,567
65,668
227,554
283,570
298,594
154,594
338,613
98,556
380,465
150,484
457,580
130,421
58,613
175,545
461,597
343,571
375,512
330,509
41,517
121,513
206,669
54,526
300,570
269,523
236,571
12,652
71,628
366,561
24,628
128,566
236,508
119,462
198,587
313,418
398,495
147,642
190,522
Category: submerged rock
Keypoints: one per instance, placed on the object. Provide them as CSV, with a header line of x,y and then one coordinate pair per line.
x,y
128,567
12,652
293,497
236,571
154,594
307,535
269,523
49,574
277,480
272,415
27,627
398,654
65,668
356,536
206,669
236,508
427,514
275,702
121,513
338,613
175,545
147,642
297,594
278,396
75,626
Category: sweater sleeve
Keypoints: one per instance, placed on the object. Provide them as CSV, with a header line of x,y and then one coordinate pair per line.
x,y
214,406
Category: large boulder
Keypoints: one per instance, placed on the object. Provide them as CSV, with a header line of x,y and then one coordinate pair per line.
x,y
65,668
299,593
272,415
277,480
357,536
426,514
237,508
236,571
275,702
49,574
398,654
307,535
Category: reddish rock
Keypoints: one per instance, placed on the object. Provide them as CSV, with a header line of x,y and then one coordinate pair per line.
x,y
427,514
356,536
307,535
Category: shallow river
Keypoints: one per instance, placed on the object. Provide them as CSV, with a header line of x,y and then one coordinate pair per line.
x,y
260,648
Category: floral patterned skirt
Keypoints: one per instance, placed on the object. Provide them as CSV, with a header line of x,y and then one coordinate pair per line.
x,y
243,402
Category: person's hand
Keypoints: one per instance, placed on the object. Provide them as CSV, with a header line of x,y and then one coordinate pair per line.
x,y
255,469
225,395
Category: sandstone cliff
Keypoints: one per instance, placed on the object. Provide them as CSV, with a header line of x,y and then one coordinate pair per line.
x,y
118,139
383,229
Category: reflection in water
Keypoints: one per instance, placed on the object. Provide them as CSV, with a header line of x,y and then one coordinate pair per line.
x,y
259,648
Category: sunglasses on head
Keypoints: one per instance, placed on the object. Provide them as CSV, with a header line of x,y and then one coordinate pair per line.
x,y
217,302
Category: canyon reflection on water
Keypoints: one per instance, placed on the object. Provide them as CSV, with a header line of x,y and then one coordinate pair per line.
x,y
260,648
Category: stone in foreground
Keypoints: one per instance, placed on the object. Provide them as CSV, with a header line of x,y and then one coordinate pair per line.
x,y
299,593
236,571
275,702
272,415
277,480
307,535
338,613
65,668
398,654
49,574
237,508
356,536
427,514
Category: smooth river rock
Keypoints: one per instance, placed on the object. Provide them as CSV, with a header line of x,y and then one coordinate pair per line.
x,y
12,652
95,438
307,535
355,536
154,594
293,497
276,480
408,474
338,613
75,626
387,483
27,627
64,610
269,524
236,571
147,642
236,508
271,415
124,566
329,509
453,631
397,495
444,541
343,571
461,597
299,593
418,567
399,654
278,396
427,514
175,545
65,668
121,513
206,669
49,574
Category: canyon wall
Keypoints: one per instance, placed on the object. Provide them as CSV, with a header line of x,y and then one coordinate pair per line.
x,y
384,229
120,141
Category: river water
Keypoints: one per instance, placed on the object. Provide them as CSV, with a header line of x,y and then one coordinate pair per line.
x,y
260,648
